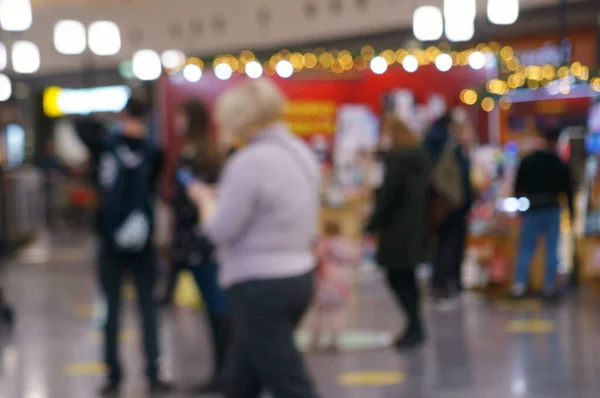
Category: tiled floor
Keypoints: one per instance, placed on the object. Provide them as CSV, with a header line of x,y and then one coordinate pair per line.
x,y
479,350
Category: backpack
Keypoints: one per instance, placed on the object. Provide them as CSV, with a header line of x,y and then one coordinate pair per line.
x,y
127,195
445,186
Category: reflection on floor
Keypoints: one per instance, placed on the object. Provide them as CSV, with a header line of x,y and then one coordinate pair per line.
x,y
479,350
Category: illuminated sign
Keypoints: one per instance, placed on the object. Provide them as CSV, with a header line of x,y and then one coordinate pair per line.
x,y
308,118
65,101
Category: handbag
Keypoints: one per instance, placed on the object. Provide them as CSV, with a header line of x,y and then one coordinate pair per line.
x,y
446,192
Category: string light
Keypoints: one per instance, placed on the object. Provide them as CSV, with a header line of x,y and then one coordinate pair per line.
x,y
379,65
192,73
468,97
443,62
488,104
284,69
254,69
410,63
476,60
223,71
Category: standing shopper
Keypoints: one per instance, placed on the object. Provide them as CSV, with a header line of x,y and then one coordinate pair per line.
x,y
128,165
399,222
448,147
264,225
202,158
542,178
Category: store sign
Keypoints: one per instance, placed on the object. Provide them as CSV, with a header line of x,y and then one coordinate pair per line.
x,y
309,118
61,101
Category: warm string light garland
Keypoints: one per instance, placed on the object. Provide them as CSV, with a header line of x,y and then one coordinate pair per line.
x,y
285,63
495,94
558,80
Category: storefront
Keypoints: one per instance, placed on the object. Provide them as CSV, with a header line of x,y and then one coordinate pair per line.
x,y
339,113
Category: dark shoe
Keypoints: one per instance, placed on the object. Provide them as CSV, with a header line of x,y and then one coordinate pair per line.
x,y
551,296
110,390
411,339
160,387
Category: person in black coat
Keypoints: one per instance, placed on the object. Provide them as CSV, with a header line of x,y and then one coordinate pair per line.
x,y
399,222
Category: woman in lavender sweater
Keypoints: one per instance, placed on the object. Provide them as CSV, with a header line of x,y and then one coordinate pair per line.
x,y
263,221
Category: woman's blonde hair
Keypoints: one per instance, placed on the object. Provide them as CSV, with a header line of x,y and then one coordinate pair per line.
x,y
401,135
249,105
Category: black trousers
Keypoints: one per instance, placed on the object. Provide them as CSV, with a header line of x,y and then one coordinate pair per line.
x,y
142,268
450,251
174,271
403,284
265,314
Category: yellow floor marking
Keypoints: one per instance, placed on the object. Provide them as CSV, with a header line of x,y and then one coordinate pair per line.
x,y
533,326
520,305
187,294
85,369
373,378
125,336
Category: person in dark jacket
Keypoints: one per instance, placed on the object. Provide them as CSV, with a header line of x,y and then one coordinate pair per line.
x,y
451,234
399,222
541,180
201,156
127,168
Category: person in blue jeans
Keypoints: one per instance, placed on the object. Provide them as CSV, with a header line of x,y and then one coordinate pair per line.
x,y
201,157
543,178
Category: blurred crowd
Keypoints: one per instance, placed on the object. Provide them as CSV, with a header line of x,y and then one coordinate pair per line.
x,y
245,223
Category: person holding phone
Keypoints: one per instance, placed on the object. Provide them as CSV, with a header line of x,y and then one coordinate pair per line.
x,y
200,161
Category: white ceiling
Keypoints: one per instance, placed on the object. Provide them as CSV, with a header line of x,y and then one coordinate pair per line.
x,y
208,27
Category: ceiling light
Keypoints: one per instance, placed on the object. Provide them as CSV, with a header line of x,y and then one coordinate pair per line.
x,y
3,56
69,37
465,10
503,12
459,29
5,87
15,15
172,59
428,23
25,57
146,65
104,38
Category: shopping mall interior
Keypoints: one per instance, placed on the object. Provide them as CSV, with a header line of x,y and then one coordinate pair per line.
x,y
509,89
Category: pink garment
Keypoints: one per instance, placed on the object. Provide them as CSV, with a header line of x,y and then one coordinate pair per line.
x,y
338,255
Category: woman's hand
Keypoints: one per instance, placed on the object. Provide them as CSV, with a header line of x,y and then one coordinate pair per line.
x,y
200,193
204,197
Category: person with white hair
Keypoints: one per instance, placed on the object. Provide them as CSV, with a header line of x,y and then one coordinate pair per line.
x,y
264,224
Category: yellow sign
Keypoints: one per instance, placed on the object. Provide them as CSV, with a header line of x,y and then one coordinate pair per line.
x,y
59,101
372,378
306,118
532,326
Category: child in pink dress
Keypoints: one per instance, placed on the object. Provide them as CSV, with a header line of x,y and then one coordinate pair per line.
x,y
337,257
